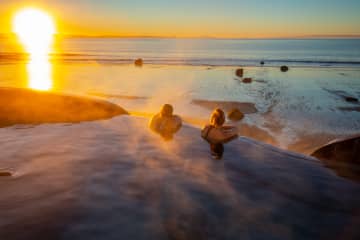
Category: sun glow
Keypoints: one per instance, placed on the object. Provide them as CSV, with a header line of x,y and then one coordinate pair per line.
x,y
35,30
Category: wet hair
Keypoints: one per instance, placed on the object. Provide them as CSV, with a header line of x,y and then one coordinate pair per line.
x,y
217,118
166,110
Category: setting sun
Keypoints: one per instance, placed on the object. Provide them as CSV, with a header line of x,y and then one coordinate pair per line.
x,y
35,30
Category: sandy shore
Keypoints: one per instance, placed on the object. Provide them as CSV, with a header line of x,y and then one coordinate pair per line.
x,y
115,179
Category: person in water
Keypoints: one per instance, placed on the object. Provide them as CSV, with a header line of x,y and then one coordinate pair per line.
x,y
165,122
216,134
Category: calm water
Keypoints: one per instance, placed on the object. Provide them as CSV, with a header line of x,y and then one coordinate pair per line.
x,y
324,52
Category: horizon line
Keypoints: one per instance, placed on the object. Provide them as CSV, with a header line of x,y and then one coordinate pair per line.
x,y
330,36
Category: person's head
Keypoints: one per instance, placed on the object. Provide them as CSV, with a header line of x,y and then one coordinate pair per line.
x,y
217,117
166,110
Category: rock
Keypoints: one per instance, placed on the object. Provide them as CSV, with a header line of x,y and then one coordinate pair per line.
x,y
245,107
239,72
247,80
139,62
344,95
262,63
5,174
235,115
24,106
351,99
284,68
342,155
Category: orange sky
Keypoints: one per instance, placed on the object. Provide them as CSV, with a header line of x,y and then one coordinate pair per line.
x,y
228,18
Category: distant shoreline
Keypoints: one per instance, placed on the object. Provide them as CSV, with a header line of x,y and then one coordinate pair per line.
x,y
310,37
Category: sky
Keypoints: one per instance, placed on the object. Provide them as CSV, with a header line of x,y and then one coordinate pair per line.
x,y
195,18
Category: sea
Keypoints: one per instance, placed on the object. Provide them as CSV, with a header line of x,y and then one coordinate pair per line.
x,y
307,102
215,52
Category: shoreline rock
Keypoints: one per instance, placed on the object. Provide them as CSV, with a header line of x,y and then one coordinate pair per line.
x,y
351,99
235,115
247,80
239,72
342,155
24,106
244,107
284,68
5,174
139,62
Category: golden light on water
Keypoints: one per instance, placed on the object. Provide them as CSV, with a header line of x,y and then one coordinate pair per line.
x,y
35,30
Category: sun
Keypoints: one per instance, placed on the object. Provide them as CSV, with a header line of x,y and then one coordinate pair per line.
x,y
35,28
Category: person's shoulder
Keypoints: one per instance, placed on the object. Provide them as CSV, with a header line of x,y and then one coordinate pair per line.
x,y
206,126
205,131
156,117
154,121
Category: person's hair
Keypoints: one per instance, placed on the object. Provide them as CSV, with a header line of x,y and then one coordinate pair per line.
x,y
166,110
217,117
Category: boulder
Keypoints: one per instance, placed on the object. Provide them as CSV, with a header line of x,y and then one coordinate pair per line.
x,y
139,62
342,155
235,115
5,174
24,106
247,80
284,68
245,107
239,72
351,99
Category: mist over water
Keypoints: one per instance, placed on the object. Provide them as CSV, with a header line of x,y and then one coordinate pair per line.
x,y
111,178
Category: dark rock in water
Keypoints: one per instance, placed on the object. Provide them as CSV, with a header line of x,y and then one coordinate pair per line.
x,y
247,80
239,72
138,62
5,174
349,109
23,106
262,63
351,99
235,115
344,95
284,68
342,155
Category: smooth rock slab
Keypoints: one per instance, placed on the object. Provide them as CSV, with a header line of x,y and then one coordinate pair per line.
x,y
24,106
343,155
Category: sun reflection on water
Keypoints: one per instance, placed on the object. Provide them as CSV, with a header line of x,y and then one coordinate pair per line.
x,y
35,30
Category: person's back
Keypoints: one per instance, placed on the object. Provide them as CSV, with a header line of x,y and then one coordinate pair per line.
x,y
165,123
216,134
155,122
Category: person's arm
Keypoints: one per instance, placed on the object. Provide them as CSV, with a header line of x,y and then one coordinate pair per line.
x,y
230,138
229,133
153,123
205,132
